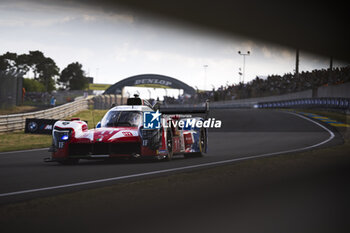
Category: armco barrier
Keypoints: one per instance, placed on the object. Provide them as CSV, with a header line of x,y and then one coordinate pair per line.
x,y
324,103
14,122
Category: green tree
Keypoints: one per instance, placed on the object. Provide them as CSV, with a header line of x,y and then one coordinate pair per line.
x,y
73,77
32,85
47,69
44,68
8,62
22,63
35,58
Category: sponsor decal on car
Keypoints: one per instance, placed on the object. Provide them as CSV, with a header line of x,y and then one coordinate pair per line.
x,y
127,134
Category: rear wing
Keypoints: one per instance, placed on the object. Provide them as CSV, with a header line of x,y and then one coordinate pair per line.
x,y
169,110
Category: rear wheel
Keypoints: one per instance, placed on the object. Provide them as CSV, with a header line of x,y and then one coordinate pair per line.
x,y
169,142
202,142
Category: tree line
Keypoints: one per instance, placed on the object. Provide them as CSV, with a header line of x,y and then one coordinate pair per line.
x,y
44,71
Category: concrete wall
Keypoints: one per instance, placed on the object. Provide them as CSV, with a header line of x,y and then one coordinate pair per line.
x,y
339,91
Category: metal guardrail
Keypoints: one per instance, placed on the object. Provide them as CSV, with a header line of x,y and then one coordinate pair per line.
x,y
326,103
14,122
229,105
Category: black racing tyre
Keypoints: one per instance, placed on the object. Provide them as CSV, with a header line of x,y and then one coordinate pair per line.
x,y
169,142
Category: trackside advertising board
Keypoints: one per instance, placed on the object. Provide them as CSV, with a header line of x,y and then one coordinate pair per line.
x,y
39,126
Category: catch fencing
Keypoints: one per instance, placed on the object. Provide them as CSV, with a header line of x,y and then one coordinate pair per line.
x,y
10,89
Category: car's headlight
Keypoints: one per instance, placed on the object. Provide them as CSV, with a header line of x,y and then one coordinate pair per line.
x,y
60,137
65,137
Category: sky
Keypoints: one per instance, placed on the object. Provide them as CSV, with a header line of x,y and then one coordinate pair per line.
x,y
113,45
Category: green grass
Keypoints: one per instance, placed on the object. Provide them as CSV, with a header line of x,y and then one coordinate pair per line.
x,y
22,141
18,109
98,86
91,116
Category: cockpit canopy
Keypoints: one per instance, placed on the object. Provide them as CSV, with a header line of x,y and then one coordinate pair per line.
x,y
122,118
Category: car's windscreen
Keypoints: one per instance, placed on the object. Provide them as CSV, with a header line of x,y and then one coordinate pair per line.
x,y
122,118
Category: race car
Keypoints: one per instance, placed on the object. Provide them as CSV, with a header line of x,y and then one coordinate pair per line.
x,y
122,133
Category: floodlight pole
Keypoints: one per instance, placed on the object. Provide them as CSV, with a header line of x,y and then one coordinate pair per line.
x,y
244,54
205,76
330,69
297,63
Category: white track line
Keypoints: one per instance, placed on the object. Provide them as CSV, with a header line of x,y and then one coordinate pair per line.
x,y
22,151
179,168
323,127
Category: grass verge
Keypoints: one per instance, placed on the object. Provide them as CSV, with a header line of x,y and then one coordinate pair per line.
x,y
23,141
91,116
18,109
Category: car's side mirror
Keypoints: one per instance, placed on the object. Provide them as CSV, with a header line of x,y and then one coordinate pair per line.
x,y
98,124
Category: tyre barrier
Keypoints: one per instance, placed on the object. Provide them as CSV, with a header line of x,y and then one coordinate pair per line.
x,y
324,103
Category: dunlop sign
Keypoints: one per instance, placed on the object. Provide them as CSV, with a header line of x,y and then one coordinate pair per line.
x,y
152,81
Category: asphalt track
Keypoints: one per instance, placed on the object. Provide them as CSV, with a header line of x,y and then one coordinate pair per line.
x,y
245,134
